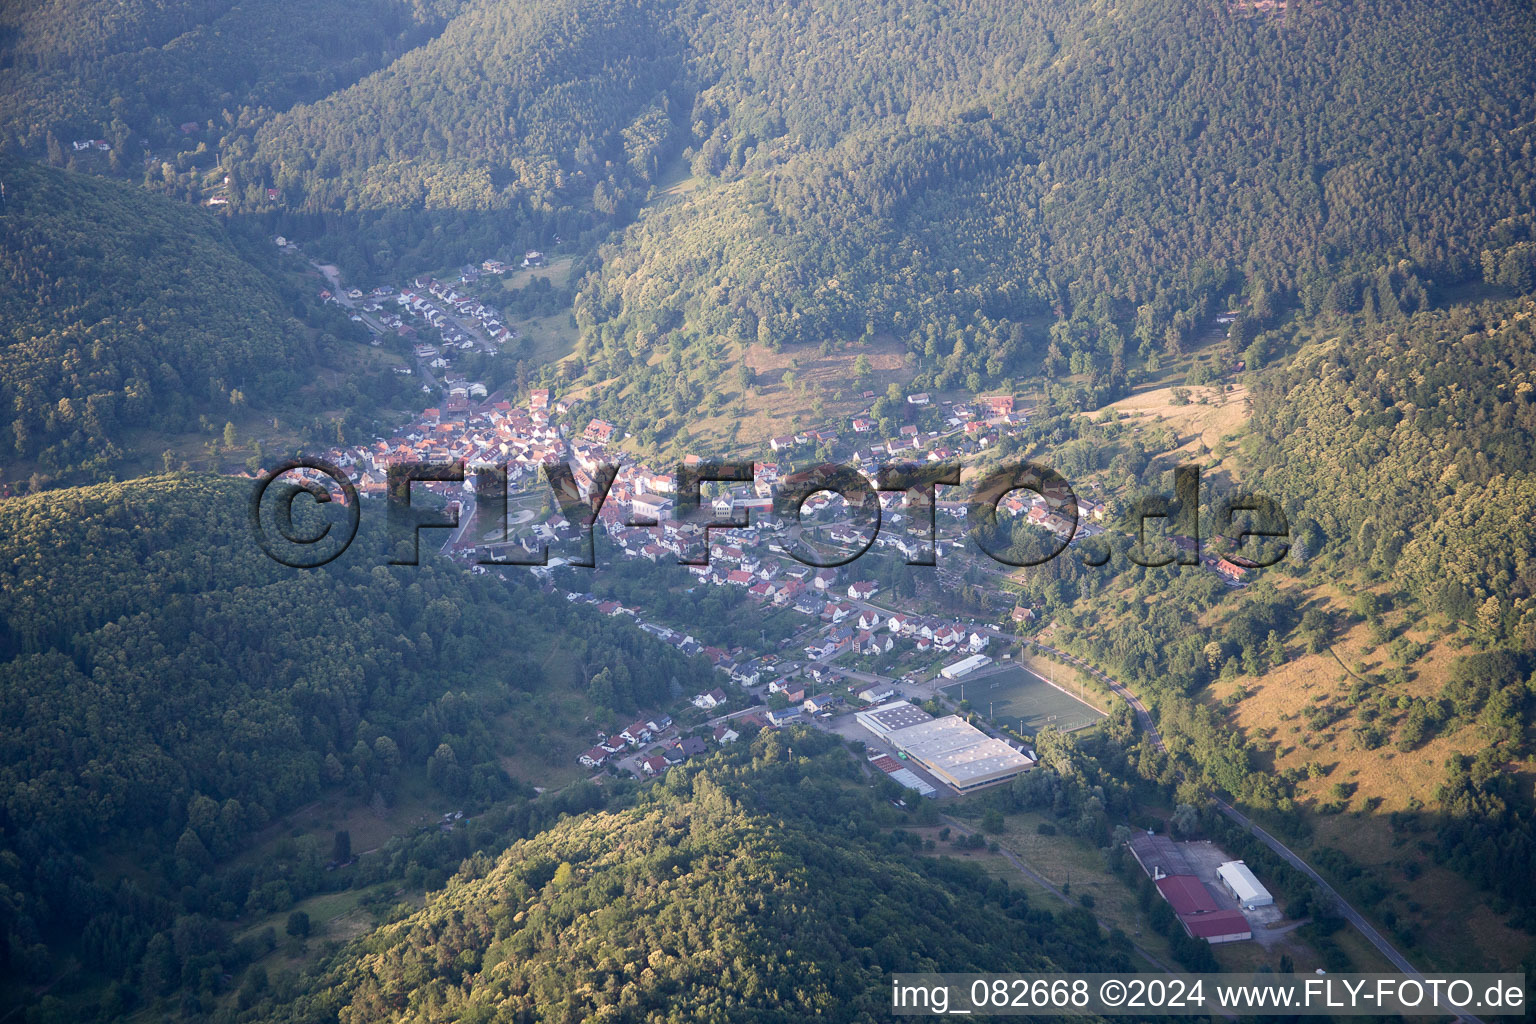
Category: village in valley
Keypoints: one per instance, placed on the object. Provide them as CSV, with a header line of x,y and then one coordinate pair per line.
x,y
608,509
832,645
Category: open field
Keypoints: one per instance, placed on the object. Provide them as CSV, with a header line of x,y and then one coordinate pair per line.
x,y
415,804
1061,859
1067,861
677,180
335,916
1272,710
1199,426
1066,676
557,271
1014,693
1451,924
547,339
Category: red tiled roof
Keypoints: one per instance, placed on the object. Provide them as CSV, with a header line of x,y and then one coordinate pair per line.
x,y
1220,923
1186,895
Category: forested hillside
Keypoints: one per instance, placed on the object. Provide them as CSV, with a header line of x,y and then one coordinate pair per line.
x,y
1412,442
760,887
120,309
168,690
1164,161
518,113
958,180
1405,446
135,71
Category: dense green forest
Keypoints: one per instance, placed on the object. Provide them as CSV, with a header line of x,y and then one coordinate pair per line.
x,y
1006,191
1041,154
516,122
1411,441
133,72
168,690
764,885
124,309
1162,162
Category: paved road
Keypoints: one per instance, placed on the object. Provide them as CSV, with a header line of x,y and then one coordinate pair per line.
x,y
1375,937
863,677
1143,716
1349,913
339,294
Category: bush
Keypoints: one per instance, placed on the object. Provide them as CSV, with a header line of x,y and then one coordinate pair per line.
x,y
298,924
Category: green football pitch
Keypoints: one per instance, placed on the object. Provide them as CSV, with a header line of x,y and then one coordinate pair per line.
x,y
1013,693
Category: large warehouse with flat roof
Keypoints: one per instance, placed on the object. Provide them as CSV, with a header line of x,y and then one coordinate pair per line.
x,y
1218,926
887,718
959,753
951,748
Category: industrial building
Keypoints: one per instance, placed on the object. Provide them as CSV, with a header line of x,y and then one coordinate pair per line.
x,y
1173,869
1199,913
1244,887
965,666
1217,927
1159,855
887,718
951,748
959,753
1186,895
904,776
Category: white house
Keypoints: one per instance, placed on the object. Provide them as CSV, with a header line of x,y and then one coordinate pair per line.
x,y
704,701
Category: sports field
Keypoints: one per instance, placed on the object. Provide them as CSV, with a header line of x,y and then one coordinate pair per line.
x,y
1012,693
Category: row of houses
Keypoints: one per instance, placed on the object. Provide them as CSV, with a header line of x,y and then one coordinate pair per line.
x,y
669,754
981,425
740,667
449,301
633,736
